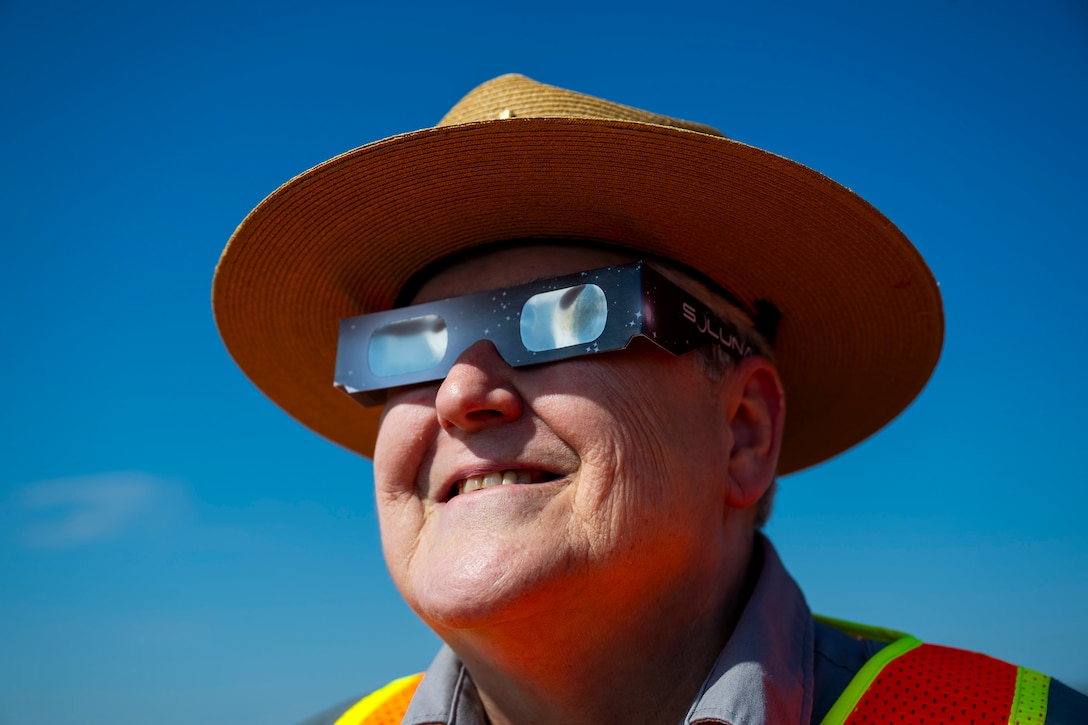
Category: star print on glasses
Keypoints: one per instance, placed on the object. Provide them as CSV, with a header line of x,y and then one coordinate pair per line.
x,y
579,314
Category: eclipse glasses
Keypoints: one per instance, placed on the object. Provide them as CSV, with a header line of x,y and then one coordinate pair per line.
x,y
585,313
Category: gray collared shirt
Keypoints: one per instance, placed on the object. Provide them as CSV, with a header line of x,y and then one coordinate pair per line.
x,y
779,666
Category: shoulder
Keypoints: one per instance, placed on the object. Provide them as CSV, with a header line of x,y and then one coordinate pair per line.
x,y
906,680
838,656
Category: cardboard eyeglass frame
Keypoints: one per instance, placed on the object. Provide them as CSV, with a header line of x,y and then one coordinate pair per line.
x,y
641,302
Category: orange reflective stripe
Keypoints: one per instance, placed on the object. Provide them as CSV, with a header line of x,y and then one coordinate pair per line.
x,y
385,706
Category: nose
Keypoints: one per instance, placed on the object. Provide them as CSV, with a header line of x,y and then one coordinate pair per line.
x,y
478,392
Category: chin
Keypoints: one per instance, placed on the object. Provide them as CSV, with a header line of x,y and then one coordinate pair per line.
x,y
477,592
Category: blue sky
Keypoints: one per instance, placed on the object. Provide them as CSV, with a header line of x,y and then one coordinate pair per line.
x,y
171,543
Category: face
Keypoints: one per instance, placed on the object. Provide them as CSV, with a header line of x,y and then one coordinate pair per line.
x,y
613,467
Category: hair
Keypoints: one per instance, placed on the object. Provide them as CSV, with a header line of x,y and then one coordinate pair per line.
x,y
715,360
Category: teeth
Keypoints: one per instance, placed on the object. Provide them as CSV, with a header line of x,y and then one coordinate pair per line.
x,y
495,478
516,477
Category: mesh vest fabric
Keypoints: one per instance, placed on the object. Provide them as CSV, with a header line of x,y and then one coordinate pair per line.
x,y
907,682
922,683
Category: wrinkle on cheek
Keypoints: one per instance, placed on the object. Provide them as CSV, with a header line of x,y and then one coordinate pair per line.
x,y
613,483
402,540
401,449
400,462
641,446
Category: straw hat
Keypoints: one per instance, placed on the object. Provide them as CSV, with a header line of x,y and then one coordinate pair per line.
x,y
861,326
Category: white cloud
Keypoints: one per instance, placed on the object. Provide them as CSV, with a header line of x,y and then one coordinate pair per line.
x,y
68,512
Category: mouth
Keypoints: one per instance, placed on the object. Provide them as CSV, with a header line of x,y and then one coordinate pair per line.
x,y
508,477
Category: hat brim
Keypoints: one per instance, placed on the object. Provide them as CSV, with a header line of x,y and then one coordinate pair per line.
x,y
862,323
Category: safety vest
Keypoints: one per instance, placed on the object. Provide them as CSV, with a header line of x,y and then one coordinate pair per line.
x,y
385,706
911,682
905,682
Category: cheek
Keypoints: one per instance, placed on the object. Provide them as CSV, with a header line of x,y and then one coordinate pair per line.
x,y
407,430
648,435
633,409
400,457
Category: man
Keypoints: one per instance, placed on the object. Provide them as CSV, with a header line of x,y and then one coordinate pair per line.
x,y
568,331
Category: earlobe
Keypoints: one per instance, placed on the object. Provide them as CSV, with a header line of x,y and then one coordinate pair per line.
x,y
754,402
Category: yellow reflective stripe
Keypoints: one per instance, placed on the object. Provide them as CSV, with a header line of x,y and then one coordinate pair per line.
x,y
1032,694
360,711
880,634
850,697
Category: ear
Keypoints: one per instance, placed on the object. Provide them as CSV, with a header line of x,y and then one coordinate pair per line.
x,y
755,404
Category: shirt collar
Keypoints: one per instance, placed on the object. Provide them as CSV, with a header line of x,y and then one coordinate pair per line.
x,y
765,672
446,695
763,675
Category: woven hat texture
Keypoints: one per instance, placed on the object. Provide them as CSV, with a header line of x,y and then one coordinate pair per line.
x,y
862,323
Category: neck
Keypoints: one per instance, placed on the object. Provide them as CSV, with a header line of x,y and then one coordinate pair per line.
x,y
604,660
